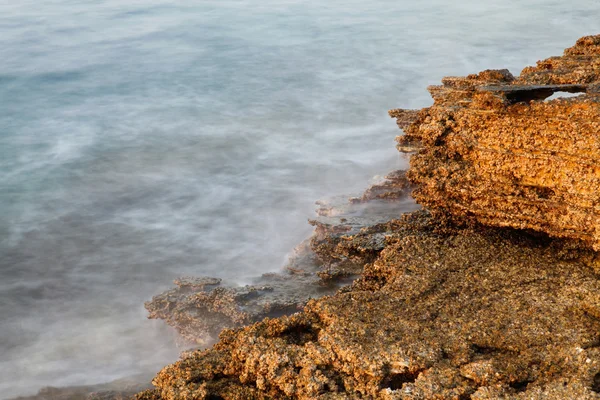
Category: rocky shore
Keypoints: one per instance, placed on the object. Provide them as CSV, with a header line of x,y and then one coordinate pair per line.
x,y
492,291
442,313
493,150
348,234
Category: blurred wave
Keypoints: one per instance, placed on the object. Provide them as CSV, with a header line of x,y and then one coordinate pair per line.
x,y
148,139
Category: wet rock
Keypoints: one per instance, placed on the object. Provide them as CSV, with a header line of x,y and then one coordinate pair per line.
x,y
393,187
442,313
348,234
200,312
494,152
491,293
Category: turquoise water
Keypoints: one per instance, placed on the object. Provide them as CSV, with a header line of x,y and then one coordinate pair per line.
x,y
149,139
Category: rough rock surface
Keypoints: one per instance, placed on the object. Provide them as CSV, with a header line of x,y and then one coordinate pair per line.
x,y
491,149
442,313
446,309
348,234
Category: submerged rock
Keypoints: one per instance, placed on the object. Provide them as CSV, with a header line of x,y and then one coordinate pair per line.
x,y
348,234
494,151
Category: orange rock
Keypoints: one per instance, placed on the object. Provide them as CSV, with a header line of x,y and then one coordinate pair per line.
x,y
449,311
495,152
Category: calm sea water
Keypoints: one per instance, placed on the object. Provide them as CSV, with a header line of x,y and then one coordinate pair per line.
x,y
142,140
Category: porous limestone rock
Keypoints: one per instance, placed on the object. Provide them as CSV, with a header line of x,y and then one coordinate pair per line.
x,y
348,235
492,149
452,303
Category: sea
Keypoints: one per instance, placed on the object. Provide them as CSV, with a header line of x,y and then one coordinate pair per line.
x,y
145,140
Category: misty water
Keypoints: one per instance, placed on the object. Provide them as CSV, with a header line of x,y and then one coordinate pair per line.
x,y
144,140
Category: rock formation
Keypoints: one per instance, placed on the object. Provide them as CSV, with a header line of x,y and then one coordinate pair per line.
x,y
441,313
492,292
491,149
348,234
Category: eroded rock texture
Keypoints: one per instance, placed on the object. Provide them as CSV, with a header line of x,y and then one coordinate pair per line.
x,y
446,309
440,314
348,235
491,149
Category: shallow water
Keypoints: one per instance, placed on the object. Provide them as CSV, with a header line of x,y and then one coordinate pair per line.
x,y
148,139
